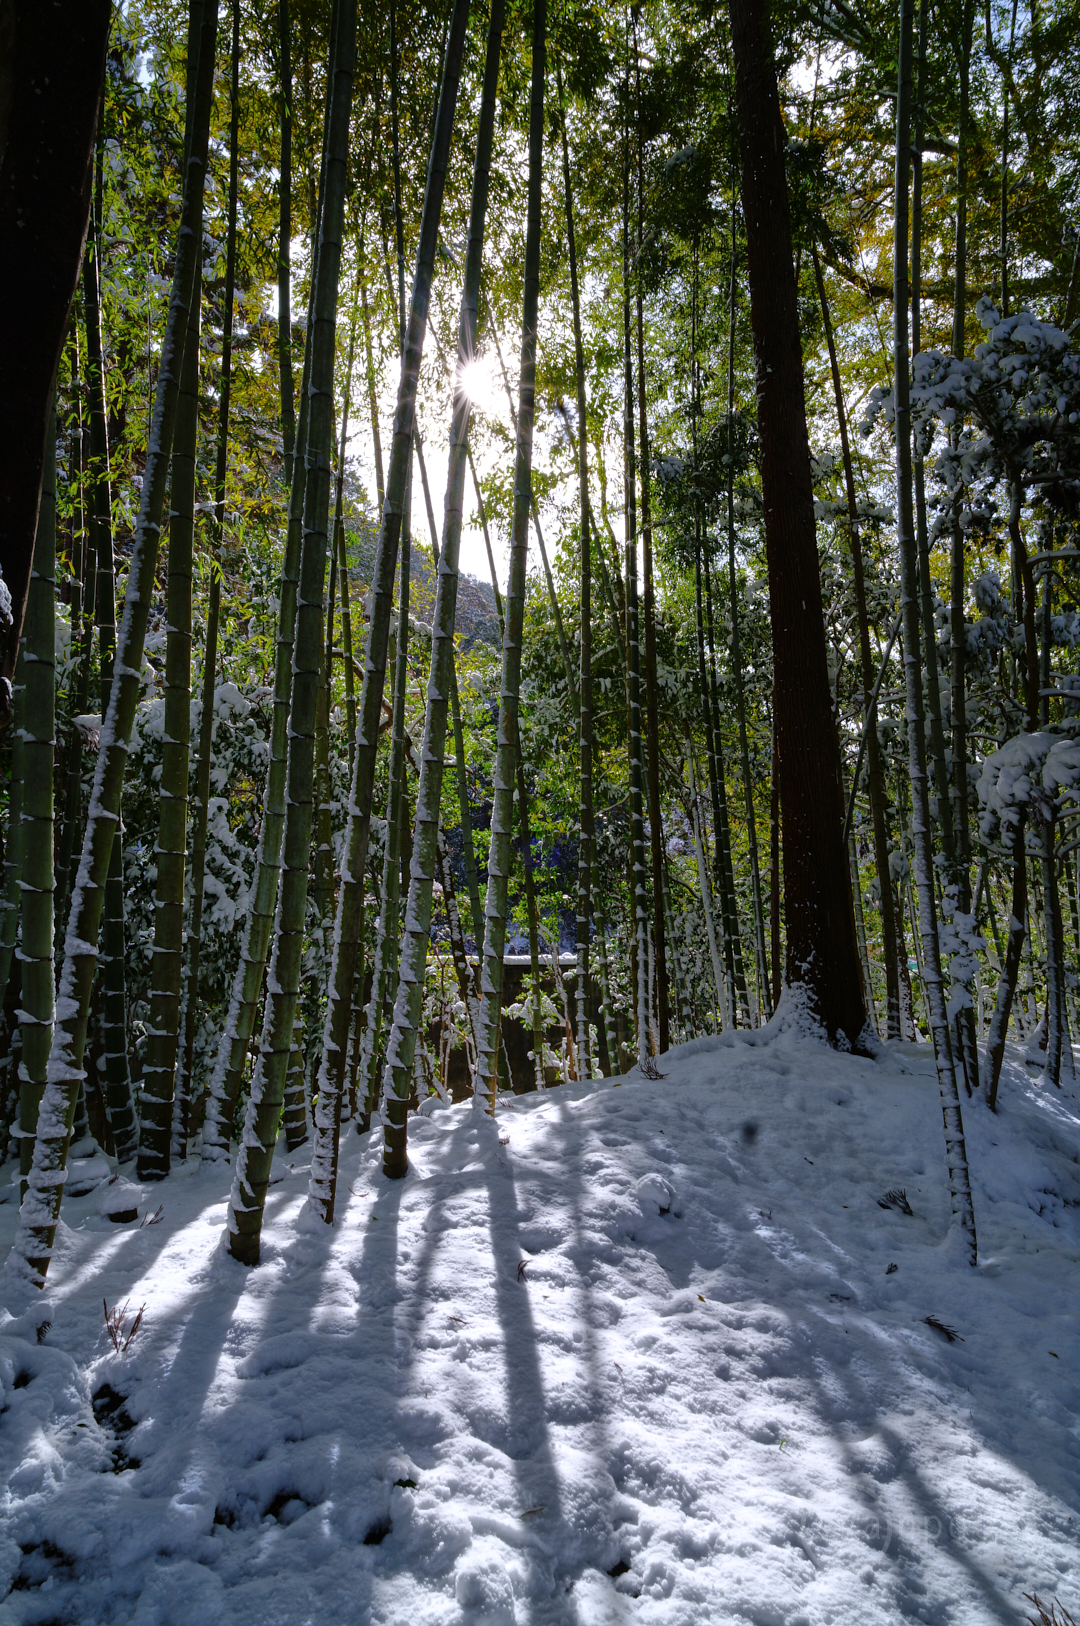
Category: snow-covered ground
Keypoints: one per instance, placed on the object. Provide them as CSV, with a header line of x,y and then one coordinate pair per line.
x,y
637,1352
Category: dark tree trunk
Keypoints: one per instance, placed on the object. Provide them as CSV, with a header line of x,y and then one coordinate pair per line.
x,y
52,67
822,954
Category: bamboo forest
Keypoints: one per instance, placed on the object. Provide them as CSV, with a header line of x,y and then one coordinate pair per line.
x,y
540,812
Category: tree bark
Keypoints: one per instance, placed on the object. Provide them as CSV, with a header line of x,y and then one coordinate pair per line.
x,y
52,68
822,954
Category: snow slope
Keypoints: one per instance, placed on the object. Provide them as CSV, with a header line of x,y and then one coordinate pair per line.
x,y
635,1353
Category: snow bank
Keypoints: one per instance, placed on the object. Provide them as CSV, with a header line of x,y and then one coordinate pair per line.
x,y
650,1352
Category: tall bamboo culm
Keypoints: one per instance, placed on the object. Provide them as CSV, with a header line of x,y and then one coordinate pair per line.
x,y
166,977
585,681
502,815
36,721
118,1102
188,1116
263,1114
33,1244
416,933
963,1215
358,825
639,894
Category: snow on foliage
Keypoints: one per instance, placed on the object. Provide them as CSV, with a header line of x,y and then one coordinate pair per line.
x,y
1035,772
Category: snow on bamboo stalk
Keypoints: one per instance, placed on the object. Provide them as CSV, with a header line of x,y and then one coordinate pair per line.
x,y
36,711
262,899
383,975
119,1105
639,901
32,1247
82,637
417,925
170,852
955,1148
585,685
263,1115
502,816
354,852
201,811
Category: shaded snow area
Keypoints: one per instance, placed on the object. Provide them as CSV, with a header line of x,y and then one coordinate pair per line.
x,y
636,1352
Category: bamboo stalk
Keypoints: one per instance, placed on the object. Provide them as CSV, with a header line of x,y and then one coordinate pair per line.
x,y
955,1149
32,1248
508,739
283,981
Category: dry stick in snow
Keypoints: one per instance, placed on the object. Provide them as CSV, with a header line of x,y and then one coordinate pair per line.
x,y
354,852
509,701
32,1248
263,1115
955,1149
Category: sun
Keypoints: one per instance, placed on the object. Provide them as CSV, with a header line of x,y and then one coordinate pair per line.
x,y
478,382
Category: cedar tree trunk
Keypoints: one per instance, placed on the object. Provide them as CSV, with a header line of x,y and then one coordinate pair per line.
x,y
52,67
822,954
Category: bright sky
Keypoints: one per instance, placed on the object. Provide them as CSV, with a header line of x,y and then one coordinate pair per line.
x,y
489,397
